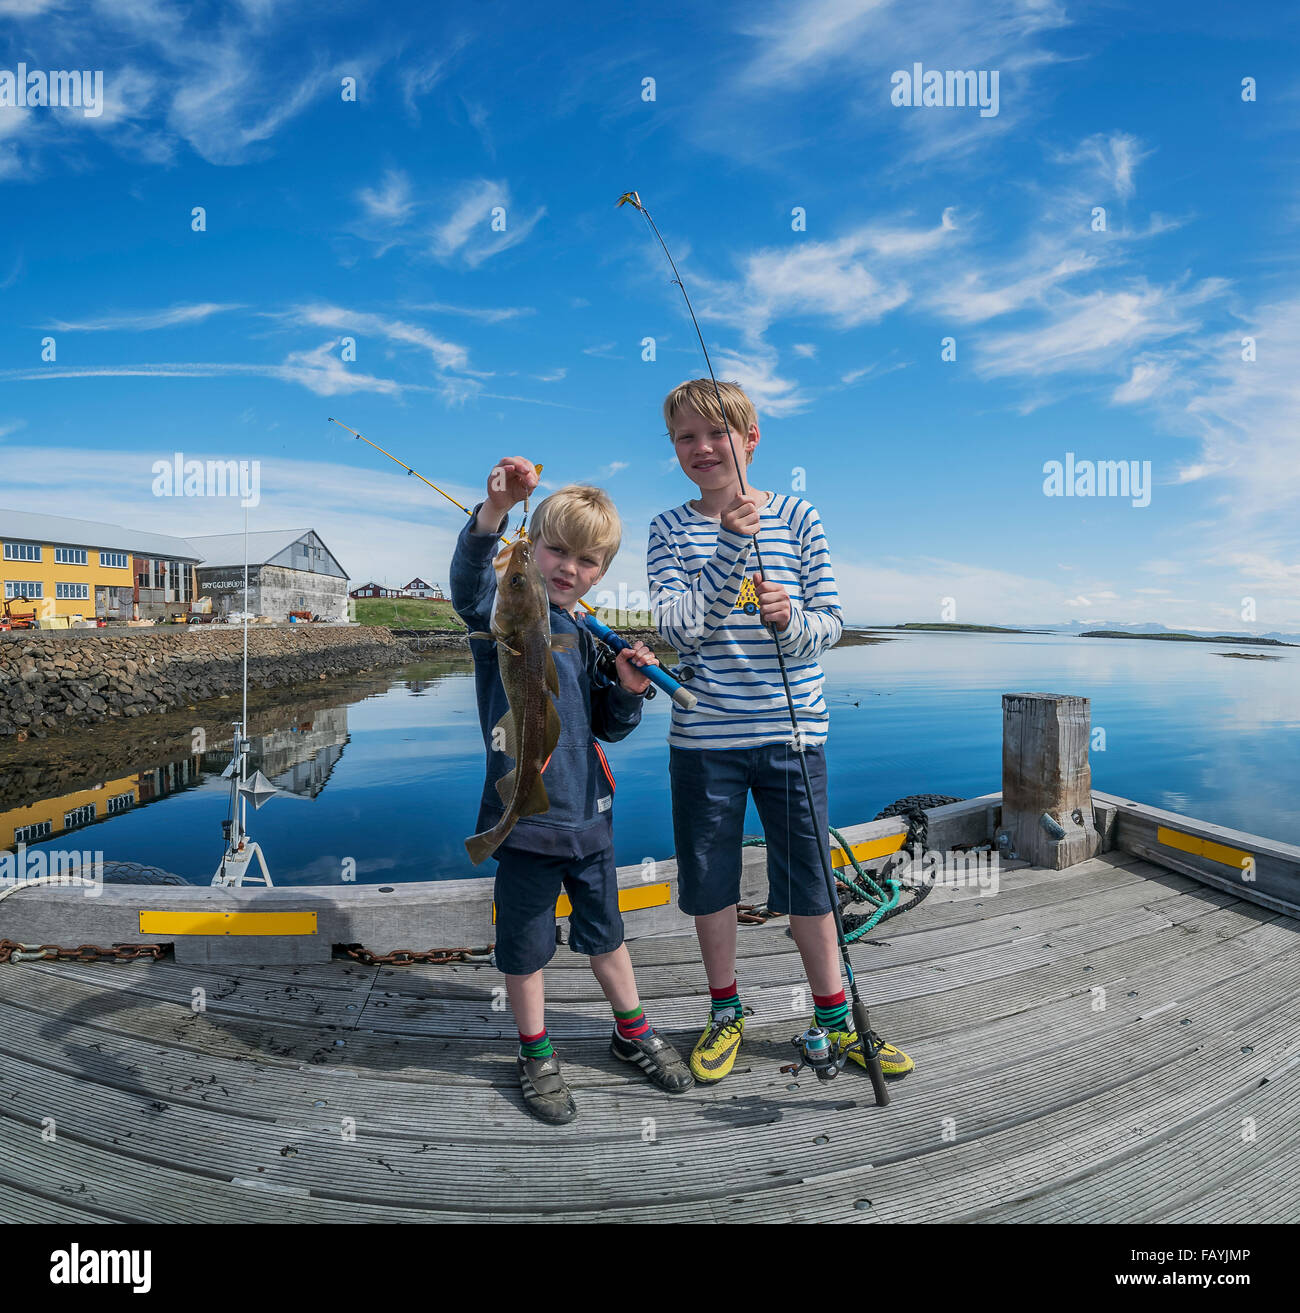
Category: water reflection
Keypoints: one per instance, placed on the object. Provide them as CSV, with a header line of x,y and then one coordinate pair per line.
x,y
391,767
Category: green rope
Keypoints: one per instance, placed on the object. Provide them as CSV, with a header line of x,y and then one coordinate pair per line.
x,y
864,886
868,890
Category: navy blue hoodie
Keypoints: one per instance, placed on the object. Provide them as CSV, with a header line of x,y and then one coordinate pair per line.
x,y
578,780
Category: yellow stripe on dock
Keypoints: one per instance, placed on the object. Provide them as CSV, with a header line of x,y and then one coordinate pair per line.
x,y
227,923
865,852
1237,858
629,900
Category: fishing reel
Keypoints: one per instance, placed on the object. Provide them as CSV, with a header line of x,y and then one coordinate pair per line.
x,y
607,664
815,1050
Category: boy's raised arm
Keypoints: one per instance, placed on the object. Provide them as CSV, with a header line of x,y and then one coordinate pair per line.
x,y
473,580
686,610
816,623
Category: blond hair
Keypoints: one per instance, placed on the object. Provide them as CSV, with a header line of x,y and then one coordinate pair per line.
x,y
698,395
579,518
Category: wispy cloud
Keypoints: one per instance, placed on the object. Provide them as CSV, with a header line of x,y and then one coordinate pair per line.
x,y
390,202
466,226
845,51
1114,158
144,321
1098,331
468,234
446,355
483,314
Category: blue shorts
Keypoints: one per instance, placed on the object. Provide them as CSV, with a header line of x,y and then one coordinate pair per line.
x,y
527,886
710,790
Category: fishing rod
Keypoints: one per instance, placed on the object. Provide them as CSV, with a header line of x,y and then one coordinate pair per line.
x,y
813,1045
656,674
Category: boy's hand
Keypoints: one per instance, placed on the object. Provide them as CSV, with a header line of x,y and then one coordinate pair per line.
x,y
773,602
627,661
742,515
510,482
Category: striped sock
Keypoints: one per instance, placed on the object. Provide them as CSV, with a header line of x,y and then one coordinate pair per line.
x,y
535,1046
725,1000
832,1011
632,1025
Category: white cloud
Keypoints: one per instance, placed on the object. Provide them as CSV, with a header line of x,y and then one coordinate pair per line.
x,y
466,234
1096,331
484,315
755,371
1256,567
391,201
1110,159
144,321
446,355
1146,379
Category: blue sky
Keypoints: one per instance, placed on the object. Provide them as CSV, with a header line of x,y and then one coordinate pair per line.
x,y
329,218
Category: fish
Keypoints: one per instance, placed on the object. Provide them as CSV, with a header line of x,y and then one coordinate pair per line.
x,y
530,729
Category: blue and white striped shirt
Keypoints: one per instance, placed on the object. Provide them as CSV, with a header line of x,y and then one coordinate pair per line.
x,y
702,597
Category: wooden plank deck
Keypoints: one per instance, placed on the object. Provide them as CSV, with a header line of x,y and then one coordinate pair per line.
x,y
1177,1101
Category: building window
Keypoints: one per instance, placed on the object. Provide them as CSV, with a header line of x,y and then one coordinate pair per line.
x,y
24,588
72,592
22,551
31,833
120,802
79,816
70,556
115,560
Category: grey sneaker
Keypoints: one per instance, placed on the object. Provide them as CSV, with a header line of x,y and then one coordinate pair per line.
x,y
546,1095
657,1058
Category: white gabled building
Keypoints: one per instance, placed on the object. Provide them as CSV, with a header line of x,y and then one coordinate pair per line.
x,y
419,588
288,570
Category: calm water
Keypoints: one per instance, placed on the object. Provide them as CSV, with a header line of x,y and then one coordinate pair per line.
x,y
390,771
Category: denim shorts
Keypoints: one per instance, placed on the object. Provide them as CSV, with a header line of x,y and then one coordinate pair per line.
x,y
527,886
711,787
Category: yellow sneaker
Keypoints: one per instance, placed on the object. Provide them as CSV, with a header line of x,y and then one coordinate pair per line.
x,y
715,1051
893,1062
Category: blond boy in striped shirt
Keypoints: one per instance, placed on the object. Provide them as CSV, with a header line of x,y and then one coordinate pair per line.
x,y
717,610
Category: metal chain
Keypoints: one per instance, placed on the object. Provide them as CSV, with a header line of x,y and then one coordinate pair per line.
x,y
12,951
751,914
401,957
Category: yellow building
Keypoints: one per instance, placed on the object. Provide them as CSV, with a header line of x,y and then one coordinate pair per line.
x,y
57,566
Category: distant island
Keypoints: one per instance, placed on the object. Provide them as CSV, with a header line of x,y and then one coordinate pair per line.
x,y
1186,638
957,629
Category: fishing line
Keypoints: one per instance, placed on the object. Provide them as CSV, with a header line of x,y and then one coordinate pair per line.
x,y
656,674
861,1020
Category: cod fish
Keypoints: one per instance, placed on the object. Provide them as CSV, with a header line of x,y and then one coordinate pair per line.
x,y
530,729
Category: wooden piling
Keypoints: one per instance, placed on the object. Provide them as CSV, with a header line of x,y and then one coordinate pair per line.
x,y
1046,779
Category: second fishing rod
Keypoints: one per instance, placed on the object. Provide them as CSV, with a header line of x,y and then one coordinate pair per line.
x,y
657,675
812,1046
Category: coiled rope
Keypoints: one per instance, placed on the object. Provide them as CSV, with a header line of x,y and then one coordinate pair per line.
x,y
863,889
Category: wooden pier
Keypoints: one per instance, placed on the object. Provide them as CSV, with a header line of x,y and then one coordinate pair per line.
x,y
1118,1040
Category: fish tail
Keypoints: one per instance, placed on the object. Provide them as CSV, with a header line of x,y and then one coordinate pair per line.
x,y
481,846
